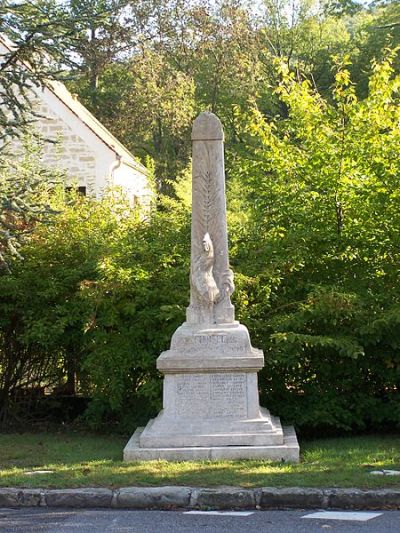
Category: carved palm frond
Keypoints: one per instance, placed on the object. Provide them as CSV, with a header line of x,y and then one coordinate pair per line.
x,y
208,209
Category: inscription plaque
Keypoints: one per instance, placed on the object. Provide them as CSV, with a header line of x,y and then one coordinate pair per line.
x,y
224,344
211,395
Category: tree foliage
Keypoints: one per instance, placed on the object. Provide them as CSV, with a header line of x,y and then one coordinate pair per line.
x,y
91,306
25,191
189,55
310,104
320,248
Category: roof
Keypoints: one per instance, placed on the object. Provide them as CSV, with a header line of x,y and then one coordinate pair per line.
x,y
62,93
78,109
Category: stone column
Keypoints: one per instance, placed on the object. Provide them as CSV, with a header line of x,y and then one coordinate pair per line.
x,y
211,280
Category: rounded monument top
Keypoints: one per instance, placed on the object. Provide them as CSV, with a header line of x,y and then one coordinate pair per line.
x,y
207,127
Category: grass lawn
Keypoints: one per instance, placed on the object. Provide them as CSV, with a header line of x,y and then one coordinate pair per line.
x,y
86,460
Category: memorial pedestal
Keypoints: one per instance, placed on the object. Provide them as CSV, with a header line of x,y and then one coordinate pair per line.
x,y
211,407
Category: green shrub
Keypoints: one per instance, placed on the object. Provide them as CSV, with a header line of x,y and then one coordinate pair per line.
x,y
92,305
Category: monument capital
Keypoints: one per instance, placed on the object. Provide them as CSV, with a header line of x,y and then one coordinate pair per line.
x,y
207,127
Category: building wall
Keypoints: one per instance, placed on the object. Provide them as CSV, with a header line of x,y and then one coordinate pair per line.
x,y
135,183
82,144
71,153
84,156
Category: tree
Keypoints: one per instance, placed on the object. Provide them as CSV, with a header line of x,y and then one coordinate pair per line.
x,y
317,218
151,105
108,32
41,32
306,36
185,57
376,31
25,198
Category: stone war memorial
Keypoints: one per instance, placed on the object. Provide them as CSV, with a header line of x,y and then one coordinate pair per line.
x,y
210,400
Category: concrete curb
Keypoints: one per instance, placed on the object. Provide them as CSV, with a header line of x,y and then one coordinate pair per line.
x,y
168,498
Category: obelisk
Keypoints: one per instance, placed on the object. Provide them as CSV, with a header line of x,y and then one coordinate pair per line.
x,y
211,280
210,401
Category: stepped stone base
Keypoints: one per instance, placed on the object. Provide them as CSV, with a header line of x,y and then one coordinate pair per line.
x,y
288,451
211,407
167,431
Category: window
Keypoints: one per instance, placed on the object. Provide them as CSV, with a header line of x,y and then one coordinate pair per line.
x,y
80,190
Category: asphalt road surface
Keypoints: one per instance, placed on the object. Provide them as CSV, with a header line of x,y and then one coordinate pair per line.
x,y
127,521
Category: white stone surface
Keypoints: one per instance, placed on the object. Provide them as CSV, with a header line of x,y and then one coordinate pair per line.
x,y
72,154
287,452
385,472
210,347
354,516
209,429
211,280
210,404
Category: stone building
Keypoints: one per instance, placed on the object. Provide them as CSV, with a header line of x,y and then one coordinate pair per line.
x,y
92,158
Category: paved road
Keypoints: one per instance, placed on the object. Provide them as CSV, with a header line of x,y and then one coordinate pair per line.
x,y
116,521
